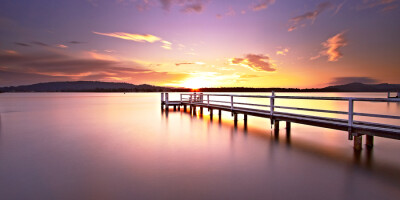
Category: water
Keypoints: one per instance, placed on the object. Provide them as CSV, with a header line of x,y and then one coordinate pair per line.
x,y
120,146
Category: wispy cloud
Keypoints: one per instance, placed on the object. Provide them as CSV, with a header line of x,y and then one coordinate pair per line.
x,y
187,6
255,62
332,47
282,51
137,38
40,43
75,42
22,44
230,12
62,46
130,36
189,63
300,20
261,4
347,80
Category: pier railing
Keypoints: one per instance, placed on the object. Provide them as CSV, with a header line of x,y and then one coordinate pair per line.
x,y
205,99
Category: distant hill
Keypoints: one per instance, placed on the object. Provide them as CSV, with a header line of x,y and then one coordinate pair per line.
x,y
97,86
360,87
82,86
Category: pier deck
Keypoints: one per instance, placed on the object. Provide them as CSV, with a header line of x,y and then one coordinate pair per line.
x,y
355,129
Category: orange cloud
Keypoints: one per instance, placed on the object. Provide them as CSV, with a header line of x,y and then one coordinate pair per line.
x,y
282,51
130,36
262,4
332,47
138,38
255,62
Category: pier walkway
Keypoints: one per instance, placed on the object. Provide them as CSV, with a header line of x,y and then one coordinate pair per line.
x,y
355,129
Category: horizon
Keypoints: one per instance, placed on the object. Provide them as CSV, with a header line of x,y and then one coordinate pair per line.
x,y
200,43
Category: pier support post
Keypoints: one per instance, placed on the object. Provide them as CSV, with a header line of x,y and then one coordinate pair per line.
x,y
357,142
184,108
194,110
219,114
174,108
179,108
211,113
276,127
201,110
288,127
369,141
235,119
245,121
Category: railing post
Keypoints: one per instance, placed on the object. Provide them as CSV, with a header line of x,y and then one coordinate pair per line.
x,y
190,98
272,107
201,97
162,97
181,98
208,99
232,104
194,97
350,122
166,99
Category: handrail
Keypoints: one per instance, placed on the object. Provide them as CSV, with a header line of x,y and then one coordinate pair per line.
x,y
198,98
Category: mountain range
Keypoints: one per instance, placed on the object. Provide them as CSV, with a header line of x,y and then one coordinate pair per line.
x,y
97,86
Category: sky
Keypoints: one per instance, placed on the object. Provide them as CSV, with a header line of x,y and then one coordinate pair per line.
x,y
201,43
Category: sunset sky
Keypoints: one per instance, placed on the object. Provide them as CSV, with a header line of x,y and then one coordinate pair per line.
x,y
201,43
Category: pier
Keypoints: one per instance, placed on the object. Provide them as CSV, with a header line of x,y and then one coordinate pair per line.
x,y
355,129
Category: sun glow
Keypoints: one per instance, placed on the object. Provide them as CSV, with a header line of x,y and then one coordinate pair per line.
x,y
196,83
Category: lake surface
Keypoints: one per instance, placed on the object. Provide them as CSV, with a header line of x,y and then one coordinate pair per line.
x,y
121,146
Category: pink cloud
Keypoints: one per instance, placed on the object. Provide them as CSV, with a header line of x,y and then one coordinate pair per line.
x,y
255,62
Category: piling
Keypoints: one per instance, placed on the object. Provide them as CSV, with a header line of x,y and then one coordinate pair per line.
x,y
245,121
211,114
357,142
219,114
184,108
174,108
276,127
369,141
235,119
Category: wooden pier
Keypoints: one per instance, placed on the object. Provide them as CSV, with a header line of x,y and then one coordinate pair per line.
x,y
355,129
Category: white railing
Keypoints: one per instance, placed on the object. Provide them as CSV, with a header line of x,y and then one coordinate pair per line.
x,y
197,98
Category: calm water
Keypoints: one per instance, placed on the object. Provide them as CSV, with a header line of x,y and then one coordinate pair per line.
x,y
120,146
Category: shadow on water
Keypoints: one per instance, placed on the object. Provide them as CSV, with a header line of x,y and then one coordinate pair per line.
x,y
360,161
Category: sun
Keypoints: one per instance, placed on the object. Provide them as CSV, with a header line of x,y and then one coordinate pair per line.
x,y
195,83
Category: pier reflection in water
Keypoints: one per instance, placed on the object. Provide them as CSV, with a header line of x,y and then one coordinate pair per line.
x,y
115,146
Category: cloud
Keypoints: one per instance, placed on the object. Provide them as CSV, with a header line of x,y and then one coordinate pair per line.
x,y
187,6
189,63
375,3
332,47
230,12
62,46
130,36
19,69
75,42
312,15
166,44
22,44
347,80
138,38
255,62
282,51
339,7
261,4
40,44
195,7
389,8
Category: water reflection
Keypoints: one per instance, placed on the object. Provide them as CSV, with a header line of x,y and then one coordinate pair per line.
x,y
90,146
